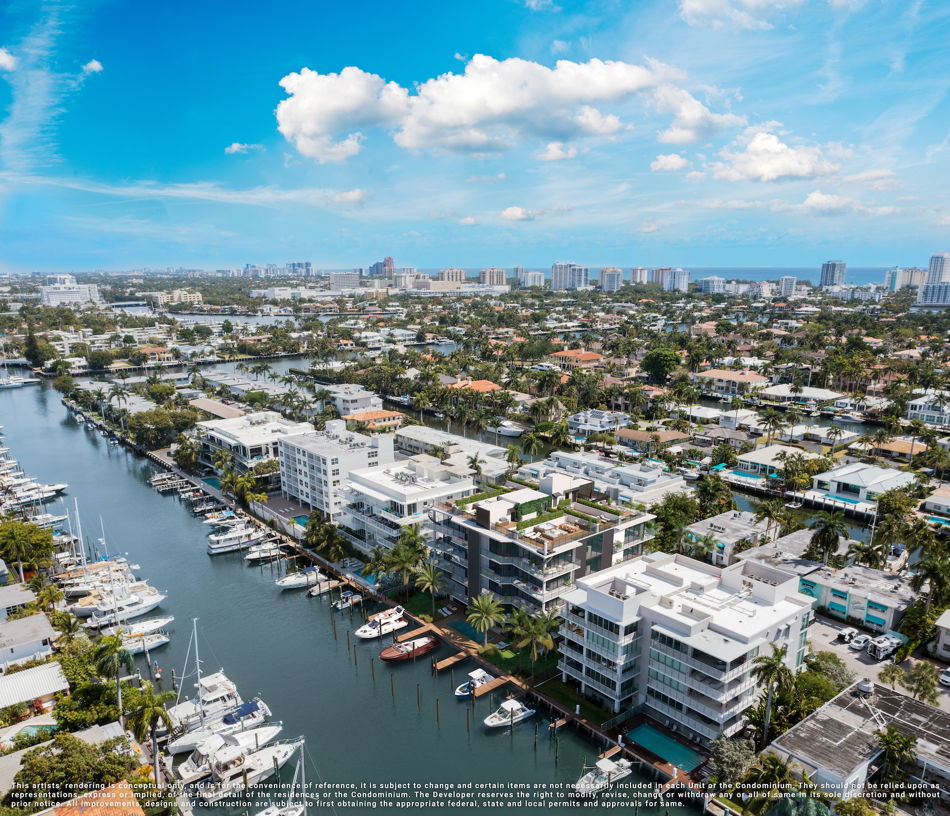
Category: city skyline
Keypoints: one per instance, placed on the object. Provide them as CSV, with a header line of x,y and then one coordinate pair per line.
x,y
556,130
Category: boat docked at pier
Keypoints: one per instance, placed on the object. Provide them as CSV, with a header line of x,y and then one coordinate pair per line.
x,y
508,713
240,537
199,762
234,770
476,678
383,623
237,719
604,773
410,649
307,577
347,599
296,802
143,644
268,550
139,628
506,428
133,606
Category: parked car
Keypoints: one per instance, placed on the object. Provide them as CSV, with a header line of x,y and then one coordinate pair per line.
x,y
859,643
945,678
847,635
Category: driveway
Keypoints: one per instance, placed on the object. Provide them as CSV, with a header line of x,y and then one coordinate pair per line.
x,y
823,637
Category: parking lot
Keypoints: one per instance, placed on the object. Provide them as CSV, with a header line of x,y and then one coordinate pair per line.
x,y
823,637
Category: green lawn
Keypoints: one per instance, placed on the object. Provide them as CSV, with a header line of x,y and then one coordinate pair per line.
x,y
569,696
520,664
419,603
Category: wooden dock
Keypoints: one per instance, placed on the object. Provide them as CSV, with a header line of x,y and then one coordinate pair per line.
x,y
617,749
491,685
448,662
422,630
556,725
324,587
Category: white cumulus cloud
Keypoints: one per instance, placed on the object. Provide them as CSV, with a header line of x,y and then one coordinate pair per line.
x,y
668,161
557,151
468,221
7,60
92,67
241,147
489,107
759,155
350,197
518,214
820,203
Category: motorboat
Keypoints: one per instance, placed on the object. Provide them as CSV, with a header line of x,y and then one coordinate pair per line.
x,y
134,606
199,762
235,769
143,644
145,627
604,773
265,551
242,717
410,649
216,694
508,713
383,623
476,678
296,803
851,418
309,576
220,517
347,599
237,538
506,428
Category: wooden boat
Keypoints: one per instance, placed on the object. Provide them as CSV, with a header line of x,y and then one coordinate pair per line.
x,y
410,649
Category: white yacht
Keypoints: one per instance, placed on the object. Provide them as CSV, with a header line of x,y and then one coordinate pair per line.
x,y
476,678
604,773
265,551
296,803
134,606
139,628
506,428
233,769
347,599
216,694
243,717
143,644
310,576
198,764
383,623
508,713
236,538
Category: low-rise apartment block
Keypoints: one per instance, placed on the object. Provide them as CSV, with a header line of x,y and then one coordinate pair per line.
x,y
728,382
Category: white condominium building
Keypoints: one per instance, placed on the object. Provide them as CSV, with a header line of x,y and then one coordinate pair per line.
x,y
493,276
314,466
349,398
611,279
62,290
569,276
381,501
676,638
452,274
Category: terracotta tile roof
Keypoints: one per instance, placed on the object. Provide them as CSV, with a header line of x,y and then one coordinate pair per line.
x,y
476,385
735,376
115,800
577,354
369,416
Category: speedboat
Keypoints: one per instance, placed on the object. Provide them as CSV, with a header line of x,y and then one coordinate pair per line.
x,y
383,623
134,606
139,644
309,576
199,762
410,649
508,713
476,678
604,773
235,769
217,694
145,627
506,428
240,718
347,599
265,551
237,538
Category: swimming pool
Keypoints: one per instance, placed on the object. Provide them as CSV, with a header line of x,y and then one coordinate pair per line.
x,y
36,731
213,481
465,628
843,499
302,520
745,474
939,520
366,579
665,747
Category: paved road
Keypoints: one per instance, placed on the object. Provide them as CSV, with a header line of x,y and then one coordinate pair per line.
x,y
823,636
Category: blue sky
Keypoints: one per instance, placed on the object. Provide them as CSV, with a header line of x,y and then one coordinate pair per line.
x,y
690,132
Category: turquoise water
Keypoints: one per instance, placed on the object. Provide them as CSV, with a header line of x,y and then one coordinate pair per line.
x,y
465,628
939,520
842,498
34,730
301,520
214,481
367,579
656,742
746,474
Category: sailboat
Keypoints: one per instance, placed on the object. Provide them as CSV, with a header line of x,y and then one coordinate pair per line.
x,y
296,804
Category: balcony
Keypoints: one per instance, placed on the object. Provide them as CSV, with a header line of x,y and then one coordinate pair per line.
x,y
532,567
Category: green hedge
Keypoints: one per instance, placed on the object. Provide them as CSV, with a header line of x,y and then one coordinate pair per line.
x,y
488,494
582,515
605,507
554,514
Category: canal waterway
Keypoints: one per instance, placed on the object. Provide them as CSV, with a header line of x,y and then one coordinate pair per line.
x,y
359,728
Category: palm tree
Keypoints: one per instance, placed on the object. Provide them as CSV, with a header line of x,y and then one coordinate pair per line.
x,y
772,421
869,553
897,751
829,527
429,579
484,612
146,715
475,463
110,658
771,671
891,674
932,571
772,512
771,778
834,434
531,444
538,634
513,456
69,625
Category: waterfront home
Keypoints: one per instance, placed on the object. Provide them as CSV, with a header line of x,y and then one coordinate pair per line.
x,y
803,394
594,420
901,448
727,530
36,686
25,639
381,501
454,449
676,638
837,746
819,434
654,440
250,439
571,359
857,484
875,599
700,414
377,420
527,546
315,466
707,437
156,354
738,418
727,382
930,406
769,461
938,501
643,483
13,597
348,398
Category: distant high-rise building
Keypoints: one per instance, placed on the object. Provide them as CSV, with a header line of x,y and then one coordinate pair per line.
x,y
713,285
765,289
62,290
676,280
452,274
532,278
786,285
345,280
611,279
939,269
569,276
384,268
493,276
658,274
639,274
832,273
300,268
519,274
